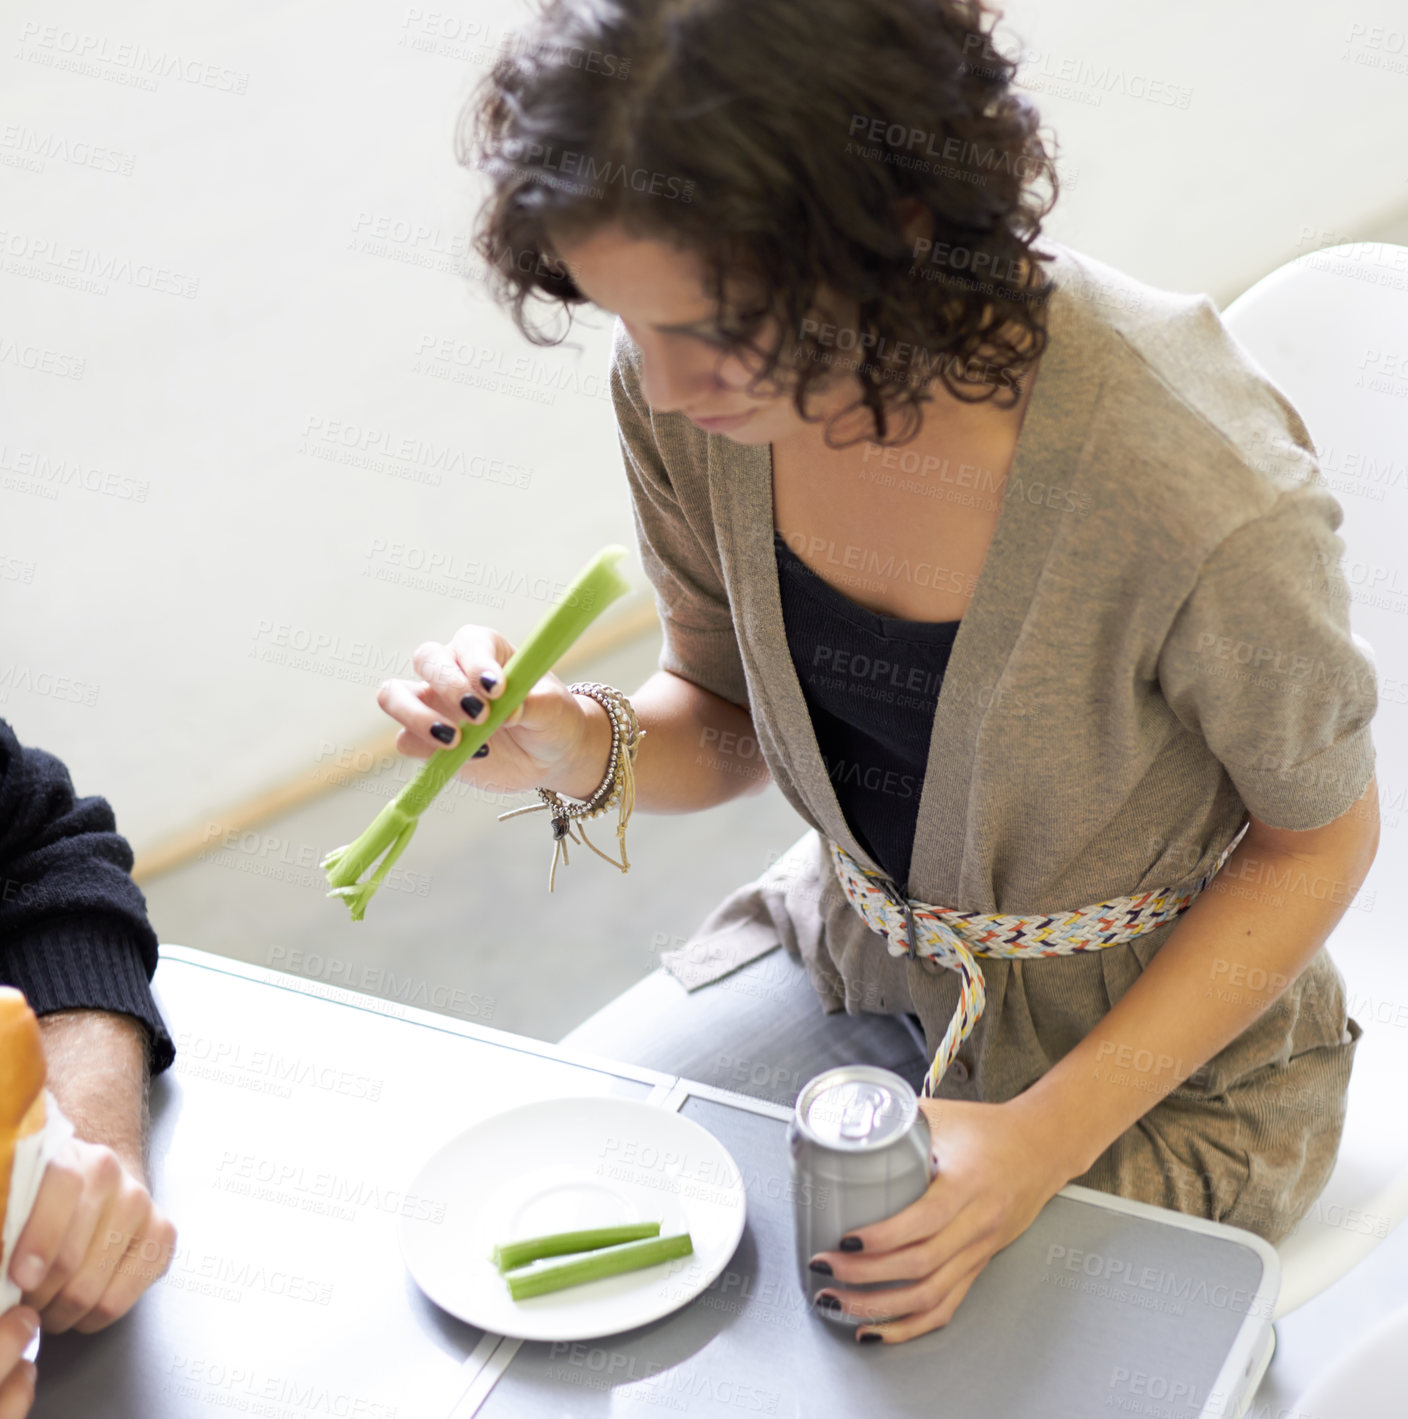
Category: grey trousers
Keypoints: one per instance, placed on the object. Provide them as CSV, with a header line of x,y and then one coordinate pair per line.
x,y
760,1031
1248,1157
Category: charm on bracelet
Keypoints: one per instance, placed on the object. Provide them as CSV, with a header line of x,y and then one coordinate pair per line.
x,y
617,787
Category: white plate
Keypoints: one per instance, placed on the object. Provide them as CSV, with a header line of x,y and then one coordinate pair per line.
x,y
557,1166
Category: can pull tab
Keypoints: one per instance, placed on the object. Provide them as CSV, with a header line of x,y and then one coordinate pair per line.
x,y
858,1119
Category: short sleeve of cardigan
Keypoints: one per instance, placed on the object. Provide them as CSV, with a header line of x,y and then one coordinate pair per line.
x,y
1261,661
680,557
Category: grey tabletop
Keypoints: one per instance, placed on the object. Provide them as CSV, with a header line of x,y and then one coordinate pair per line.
x,y
284,1143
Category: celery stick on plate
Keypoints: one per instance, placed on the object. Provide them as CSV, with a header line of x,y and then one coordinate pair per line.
x,y
610,1261
508,1255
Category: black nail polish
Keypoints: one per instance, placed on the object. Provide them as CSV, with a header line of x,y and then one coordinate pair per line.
x,y
822,1268
870,1337
480,752
828,1303
471,705
488,680
851,1244
442,732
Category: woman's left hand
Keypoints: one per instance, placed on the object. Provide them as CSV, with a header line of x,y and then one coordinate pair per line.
x,y
996,1171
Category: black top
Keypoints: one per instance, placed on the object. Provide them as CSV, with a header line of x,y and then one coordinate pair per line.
x,y
74,933
872,684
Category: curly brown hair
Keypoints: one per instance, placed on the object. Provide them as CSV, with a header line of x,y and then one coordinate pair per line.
x,y
779,140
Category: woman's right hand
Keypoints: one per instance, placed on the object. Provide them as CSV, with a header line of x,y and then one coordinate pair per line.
x,y
537,744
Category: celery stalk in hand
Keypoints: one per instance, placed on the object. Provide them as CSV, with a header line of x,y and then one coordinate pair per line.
x,y
596,586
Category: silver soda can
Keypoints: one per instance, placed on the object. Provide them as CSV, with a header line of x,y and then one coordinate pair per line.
x,y
860,1152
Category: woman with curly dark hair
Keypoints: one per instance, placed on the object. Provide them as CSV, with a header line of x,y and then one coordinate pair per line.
x,y
1014,573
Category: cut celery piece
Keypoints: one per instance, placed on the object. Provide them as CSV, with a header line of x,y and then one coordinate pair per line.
x,y
508,1255
609,1261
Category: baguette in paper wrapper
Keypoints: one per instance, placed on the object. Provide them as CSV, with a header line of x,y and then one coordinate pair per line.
x,y
32,1128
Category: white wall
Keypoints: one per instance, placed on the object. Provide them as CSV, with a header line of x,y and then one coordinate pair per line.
x,y
1291,137
190,529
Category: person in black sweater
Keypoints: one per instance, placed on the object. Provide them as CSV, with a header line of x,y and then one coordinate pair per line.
x,y
74,933
74,937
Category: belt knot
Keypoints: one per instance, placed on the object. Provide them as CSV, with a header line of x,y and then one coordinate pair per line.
x,y
956,938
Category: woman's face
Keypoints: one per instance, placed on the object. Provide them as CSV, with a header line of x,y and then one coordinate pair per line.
x,y
658,292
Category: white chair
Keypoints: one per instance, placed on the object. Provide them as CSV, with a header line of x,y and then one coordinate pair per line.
x,y
1370,1381
1330,329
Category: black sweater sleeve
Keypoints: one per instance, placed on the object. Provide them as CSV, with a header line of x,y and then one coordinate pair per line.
x,y
74,933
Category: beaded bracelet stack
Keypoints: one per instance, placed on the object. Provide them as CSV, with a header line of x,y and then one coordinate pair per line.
x,y
619,785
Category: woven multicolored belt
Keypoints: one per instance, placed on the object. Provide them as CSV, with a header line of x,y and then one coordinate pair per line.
x,y
955,939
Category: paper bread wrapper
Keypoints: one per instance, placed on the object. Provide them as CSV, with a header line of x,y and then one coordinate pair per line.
x,y
32,1156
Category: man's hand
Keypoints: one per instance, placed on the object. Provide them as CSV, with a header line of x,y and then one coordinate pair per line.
x,y
18,1327
95,1239
93,1243
995,1174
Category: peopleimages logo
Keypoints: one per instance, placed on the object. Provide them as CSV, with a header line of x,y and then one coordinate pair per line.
x,y
539,157
31,470
1149,1286
47,685
87,53
41,359
26,147
86,268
